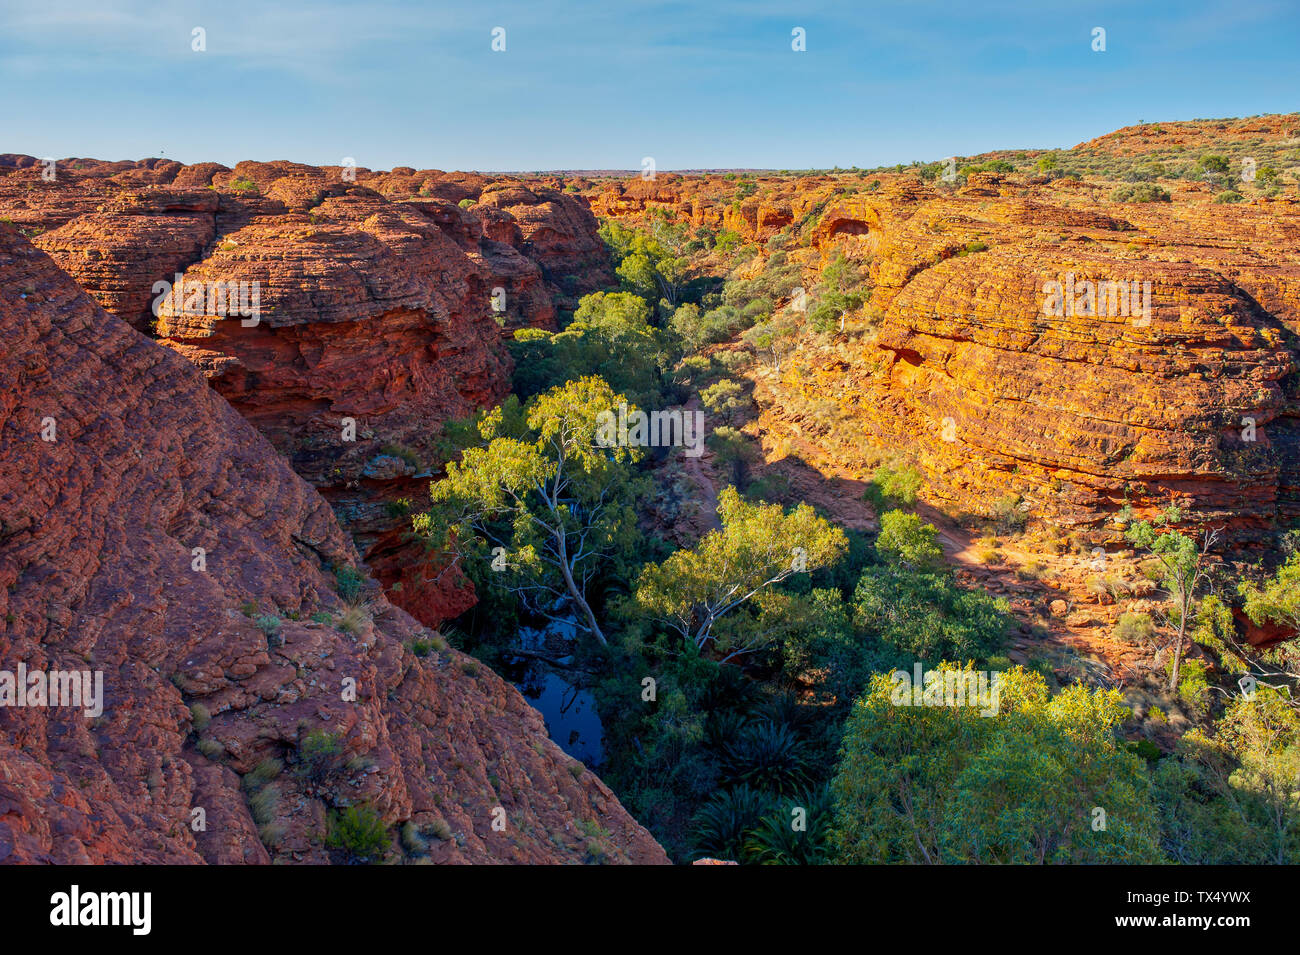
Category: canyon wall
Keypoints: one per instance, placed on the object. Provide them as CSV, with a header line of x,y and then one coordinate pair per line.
x,y
964,368
151,533
384,301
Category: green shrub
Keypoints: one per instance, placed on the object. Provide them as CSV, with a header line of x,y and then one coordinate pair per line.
x,y
1135,628
776,841
264,804
894,486
910,539
352,621
404,453
440,829
1140,192
1146,749
400,507
360,833
727,241
320,755
262,774
210,748
349,582
1007,514
1193,684
768,756
722,824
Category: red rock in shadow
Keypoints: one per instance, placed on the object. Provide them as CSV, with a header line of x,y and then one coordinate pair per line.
x,y
159,539
381,300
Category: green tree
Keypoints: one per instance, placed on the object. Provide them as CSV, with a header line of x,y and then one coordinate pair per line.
x,y
1216,630
931,784
837,293
1278,601
734,447
1234,797
698,329
544,491
777,338
638,272
758,546
1184,571
906,537
610,337
822,638
650,264
1213,164
928,616
685,322
726,398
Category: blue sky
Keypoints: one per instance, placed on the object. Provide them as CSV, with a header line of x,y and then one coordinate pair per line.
x,y
581,84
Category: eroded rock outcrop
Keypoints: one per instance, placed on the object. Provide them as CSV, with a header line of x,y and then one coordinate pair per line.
x,y
1187,394
384,301
1181,394
149,532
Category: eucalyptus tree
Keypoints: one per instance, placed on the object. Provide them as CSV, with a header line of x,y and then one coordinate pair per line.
x,y
543,499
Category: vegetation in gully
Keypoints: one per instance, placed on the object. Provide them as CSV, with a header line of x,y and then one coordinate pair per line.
x,y
745,676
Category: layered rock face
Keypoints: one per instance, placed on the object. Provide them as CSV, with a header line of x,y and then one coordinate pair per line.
x,y
1172,382
709,202
383,301
149,533
1181,398
558,233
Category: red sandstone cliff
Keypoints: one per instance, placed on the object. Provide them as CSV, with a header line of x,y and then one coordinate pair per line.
x,y
957,364
383,302
213,668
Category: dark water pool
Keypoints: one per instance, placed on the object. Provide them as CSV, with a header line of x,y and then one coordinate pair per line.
x,y
570,714
569,711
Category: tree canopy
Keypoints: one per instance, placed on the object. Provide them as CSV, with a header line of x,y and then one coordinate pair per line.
x,y
932,784
556,504
758,546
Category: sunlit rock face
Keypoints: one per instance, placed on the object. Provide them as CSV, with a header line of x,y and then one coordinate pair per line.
x,y
1033,338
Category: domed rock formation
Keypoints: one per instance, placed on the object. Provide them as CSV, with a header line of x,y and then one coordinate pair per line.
x,y
251,682
383,307
1178,385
